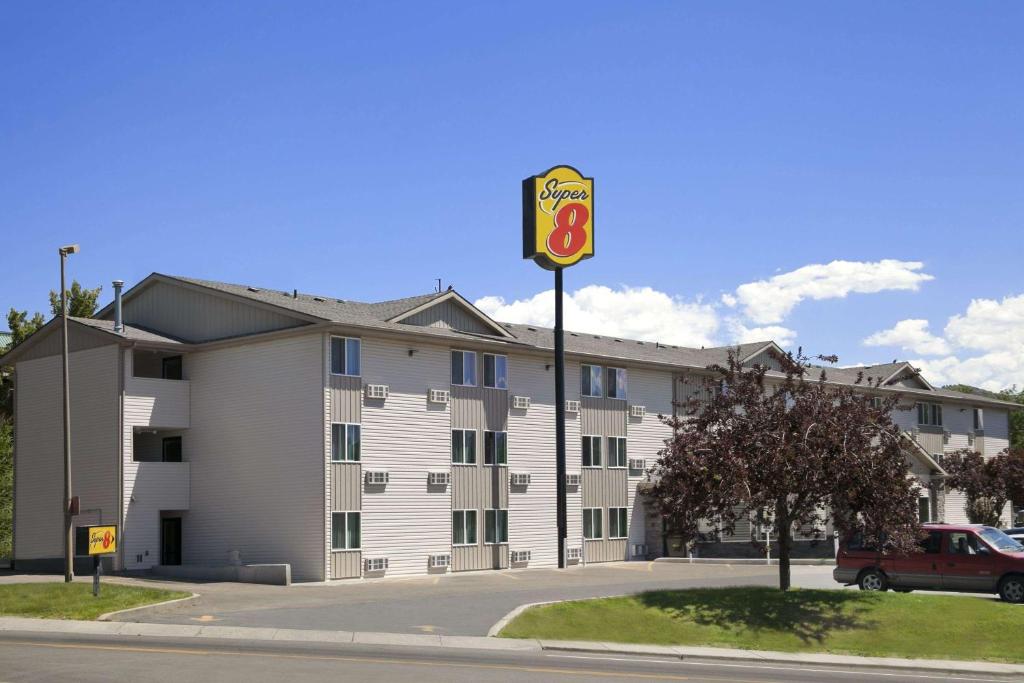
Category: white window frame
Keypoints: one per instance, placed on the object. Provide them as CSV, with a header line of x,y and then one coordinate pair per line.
x,y
591,512
463,355
344,534
618,517
465,527
504,457
464,432
503,385
345,454
618,453
358,343
591,439
494,526
587,375
619,372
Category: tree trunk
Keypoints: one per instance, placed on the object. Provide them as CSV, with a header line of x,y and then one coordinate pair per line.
x,y
785,532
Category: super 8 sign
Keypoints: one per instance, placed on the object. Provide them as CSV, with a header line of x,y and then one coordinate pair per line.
x,y
558,217
102,540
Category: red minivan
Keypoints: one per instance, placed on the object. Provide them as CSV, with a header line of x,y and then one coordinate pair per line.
x,y
968,558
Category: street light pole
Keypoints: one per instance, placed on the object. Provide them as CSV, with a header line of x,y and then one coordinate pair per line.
x,y
69,567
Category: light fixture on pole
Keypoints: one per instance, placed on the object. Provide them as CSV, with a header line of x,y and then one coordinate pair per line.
x,y
69,568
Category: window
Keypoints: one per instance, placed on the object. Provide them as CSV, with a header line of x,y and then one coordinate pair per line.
x,y
171,449
979,420
929,414
495,448
345,531
464,368
591,451
616,383
617,523
924,509
495,526
616,451
932,543
962,543
495,371
345,442
464,446
344,356
592,523
464,527
591,380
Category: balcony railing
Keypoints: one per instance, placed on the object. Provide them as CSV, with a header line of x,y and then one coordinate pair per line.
x,y
161,403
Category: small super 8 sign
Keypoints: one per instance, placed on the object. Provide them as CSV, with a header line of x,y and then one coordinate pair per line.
x,y
102,540
558,217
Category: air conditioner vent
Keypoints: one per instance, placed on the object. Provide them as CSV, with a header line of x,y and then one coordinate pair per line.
x,y
376,478
376,564
520,556
574,553
440,561
637,464
637,411
520,479
439,478
572,406
377,391
521,402
438,396
639,550
572,479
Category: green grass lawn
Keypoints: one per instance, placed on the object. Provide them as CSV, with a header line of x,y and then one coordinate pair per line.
x,y
915,625
75,600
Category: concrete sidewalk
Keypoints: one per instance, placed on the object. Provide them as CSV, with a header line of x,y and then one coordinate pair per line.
x,y
23,625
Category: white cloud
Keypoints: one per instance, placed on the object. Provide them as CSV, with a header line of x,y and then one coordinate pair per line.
x,y
984,346
631,312
910,335
771,300
741,334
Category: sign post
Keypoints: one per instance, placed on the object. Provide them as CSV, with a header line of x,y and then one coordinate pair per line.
x,y
558,232
102,541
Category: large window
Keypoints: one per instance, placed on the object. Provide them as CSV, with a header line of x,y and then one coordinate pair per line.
x,y
590,376
495,448
464,527
616,383
464,446
617,523
495,371
929,414
345,442
344,356
171,449
345,531
979,419
495,526
464,368
592,524
616,451
591,451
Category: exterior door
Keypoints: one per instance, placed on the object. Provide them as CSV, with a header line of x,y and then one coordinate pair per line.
x,y
921,570
968,564
170,540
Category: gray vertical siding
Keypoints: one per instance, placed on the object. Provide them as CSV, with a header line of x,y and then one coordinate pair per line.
x,y
479,487
604,416
479,408
449,315
608,550
346,398
346,564
479,556
346,486
603,487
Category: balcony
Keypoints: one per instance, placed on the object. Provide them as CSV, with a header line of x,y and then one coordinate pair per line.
x,y
159,403
159,486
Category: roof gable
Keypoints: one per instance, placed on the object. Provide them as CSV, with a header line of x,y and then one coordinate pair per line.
x,y
451,311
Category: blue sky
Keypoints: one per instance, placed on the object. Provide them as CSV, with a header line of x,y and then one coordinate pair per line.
x,y
363,150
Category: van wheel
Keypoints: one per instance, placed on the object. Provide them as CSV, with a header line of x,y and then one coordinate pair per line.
x,y
872,580
1011,589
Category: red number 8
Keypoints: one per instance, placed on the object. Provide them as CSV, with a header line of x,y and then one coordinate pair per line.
x,y
568,237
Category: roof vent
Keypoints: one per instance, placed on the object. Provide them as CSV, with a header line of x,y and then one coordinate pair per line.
x,y
295,294
118,318
253,289
532,329
319,298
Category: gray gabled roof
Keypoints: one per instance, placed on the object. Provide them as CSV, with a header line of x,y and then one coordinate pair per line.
x,y
127,332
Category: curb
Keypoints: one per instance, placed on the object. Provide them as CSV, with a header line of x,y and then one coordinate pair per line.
x,y
109,616
805,562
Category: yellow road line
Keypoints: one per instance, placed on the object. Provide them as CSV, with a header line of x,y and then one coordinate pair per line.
x,y
371,660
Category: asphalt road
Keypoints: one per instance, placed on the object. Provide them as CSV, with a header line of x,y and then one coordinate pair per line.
x,y
63,657
452,604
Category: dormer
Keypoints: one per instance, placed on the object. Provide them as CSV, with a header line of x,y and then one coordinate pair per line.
x,y
452,312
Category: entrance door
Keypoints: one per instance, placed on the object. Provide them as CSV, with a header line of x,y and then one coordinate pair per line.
x,y
969,564
170,540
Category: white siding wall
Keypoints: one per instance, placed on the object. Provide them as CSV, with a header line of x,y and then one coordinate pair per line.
x,y
257,456
573,457
531,448
408,437
39,486
646,437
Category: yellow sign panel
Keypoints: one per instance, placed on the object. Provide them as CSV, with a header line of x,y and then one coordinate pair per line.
x,y
102,540
558,217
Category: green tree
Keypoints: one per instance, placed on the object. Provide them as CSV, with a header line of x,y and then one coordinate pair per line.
x,y
21,326
81,301
1016,416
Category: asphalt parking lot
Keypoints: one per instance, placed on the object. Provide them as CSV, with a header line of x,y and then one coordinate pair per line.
x,y
452,604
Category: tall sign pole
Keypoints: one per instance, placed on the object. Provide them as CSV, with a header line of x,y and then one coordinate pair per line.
x,y
69,536
558,232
